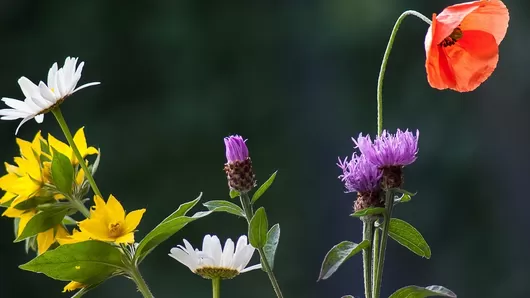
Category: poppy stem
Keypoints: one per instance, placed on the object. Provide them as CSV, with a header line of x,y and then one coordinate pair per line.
x,y
62,123
385,61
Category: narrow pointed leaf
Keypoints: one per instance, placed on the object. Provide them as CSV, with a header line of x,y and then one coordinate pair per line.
x,y
234,194
338,255
273,238
258,228
42,222
403,199
224,206
369,211
62,172
183,209
406,235
88,262
263,188
421,292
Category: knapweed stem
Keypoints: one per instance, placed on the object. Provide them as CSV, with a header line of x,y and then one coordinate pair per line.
x,y
247,208
378,276
216,287
368,224
62,123
385,61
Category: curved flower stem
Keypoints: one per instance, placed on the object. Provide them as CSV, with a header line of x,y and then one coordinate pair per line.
x,y
247,208
368,225
135,275
385,61
216,287
378,275
62,123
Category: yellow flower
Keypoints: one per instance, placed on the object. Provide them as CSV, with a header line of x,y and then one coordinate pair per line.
x,y
72,286
76,236
44,239
80,142
108,222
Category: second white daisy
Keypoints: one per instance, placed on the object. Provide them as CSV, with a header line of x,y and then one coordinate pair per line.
x,y
213,261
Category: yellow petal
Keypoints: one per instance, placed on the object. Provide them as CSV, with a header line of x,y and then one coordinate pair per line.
x,y
77,236
96,228
61,232
127,238
72,286
61,147
91,151
115,209
80,177
25,148
45,240
133,220
7,197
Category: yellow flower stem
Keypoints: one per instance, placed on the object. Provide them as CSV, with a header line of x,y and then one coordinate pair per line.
x,y
385,61
247,208
62,123
216,287
78,204
135,275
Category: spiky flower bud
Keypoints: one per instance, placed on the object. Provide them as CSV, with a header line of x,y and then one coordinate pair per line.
x,y
238,167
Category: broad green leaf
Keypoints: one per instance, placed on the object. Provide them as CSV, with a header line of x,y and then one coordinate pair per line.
x,y
43,221
62,172
183,209
234,194
421,292
369,211
257,229
88,262
33,202
263,188
338,255
273,238
224,206
162,232
406,235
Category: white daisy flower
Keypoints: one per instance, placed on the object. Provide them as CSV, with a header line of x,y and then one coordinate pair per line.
x,y
41,99
214,262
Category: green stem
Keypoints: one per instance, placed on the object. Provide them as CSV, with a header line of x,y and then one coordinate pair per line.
x,y
216,287
385,61
62,123
368,225
140,282
247,208
78,204
378,278
375,259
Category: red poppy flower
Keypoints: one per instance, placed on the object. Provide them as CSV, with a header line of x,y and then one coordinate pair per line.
x,y
462,44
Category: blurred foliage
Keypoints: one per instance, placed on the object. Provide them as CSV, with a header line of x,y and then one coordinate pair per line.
x,y
297,78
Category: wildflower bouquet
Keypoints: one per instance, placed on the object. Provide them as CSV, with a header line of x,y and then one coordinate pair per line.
x,y
48,187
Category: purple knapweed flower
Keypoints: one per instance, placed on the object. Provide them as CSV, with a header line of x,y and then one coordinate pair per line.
x,y
359,175
363,177
238,167
389,150
236,149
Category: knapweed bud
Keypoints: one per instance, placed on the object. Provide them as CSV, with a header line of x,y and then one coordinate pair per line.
x,y
238,165
363,177
390,153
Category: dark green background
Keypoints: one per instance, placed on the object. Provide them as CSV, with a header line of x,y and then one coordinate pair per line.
x,y
298,79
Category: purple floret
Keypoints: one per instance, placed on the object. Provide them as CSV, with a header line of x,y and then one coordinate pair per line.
x,y
236,149
389,150
359,175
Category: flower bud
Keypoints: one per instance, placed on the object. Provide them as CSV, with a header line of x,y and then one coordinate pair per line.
x,y
238,167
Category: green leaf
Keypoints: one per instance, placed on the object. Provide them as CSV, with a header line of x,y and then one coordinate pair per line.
x,y
43,221
183,209
62,172
402,191
263,188
406,235
94,167
33,202
420,292
257,229
338,255
234,194
273,238
369,211
68,221
162,232
88,262
224,206
403,199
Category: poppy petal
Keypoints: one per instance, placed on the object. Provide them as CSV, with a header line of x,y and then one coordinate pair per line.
x,y
440,74
492,17
452,17
473,59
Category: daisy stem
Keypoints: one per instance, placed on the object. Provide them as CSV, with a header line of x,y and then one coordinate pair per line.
x,y
247,208
216,287
385,61
62,123
368,225
378,275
